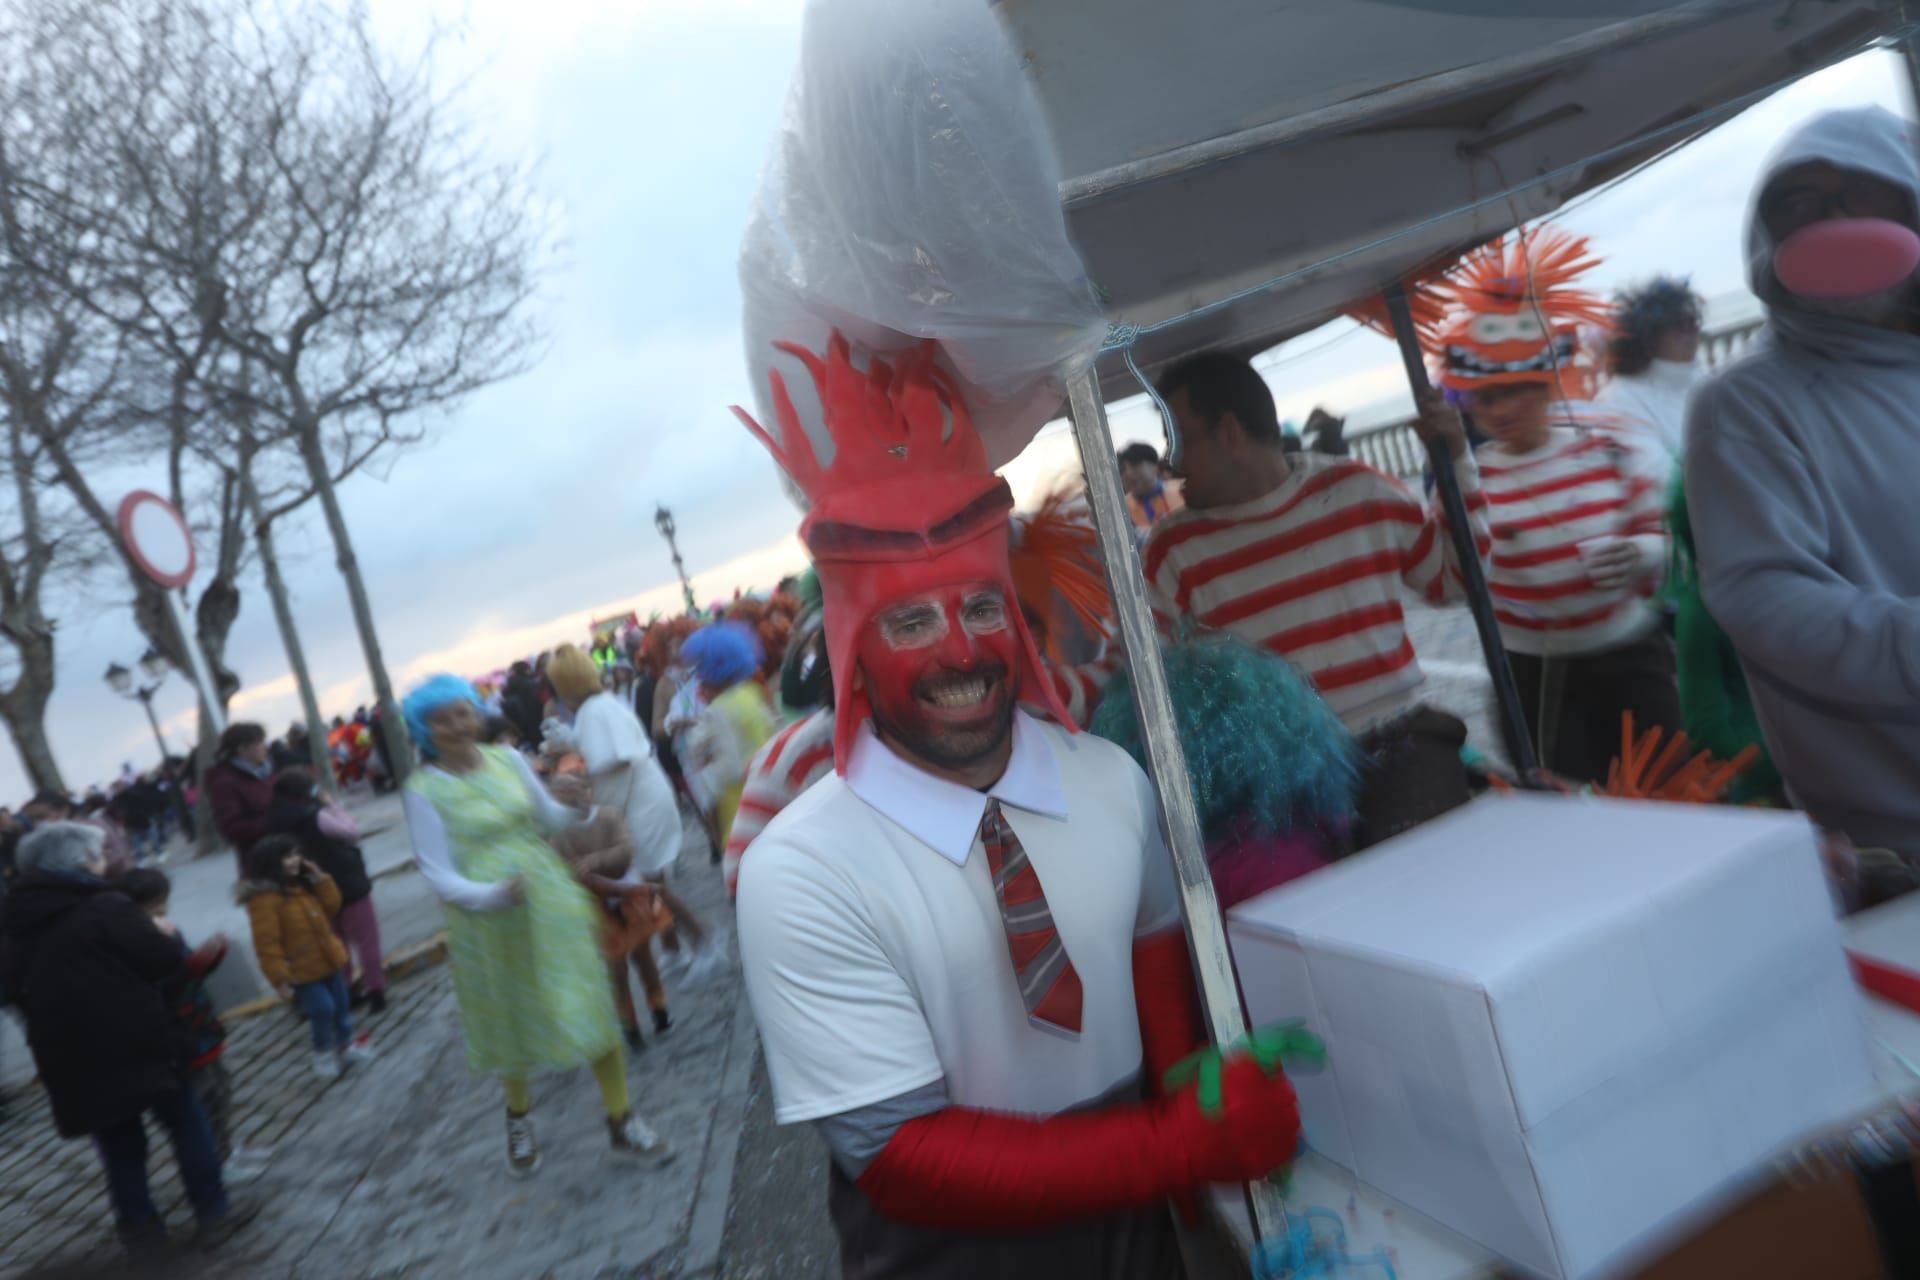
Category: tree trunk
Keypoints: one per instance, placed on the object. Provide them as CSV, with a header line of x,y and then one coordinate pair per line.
x,y
206,840
29,736
24,708
392,726
289,634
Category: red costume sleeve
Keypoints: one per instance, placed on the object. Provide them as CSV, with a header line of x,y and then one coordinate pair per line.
x,y
1166,996
983,1172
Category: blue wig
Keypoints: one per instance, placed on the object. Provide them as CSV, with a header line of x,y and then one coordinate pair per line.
x,y
724,653
1262,748
428,697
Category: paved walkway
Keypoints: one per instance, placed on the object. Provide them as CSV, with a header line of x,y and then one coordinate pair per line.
x,y
397,1170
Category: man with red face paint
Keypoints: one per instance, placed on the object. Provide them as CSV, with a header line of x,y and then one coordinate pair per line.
x,y
963,947
1800,466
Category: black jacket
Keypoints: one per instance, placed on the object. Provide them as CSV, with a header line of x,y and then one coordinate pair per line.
x,y
86,966
339,859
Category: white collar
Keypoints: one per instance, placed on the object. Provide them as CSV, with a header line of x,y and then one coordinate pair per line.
x,y
945,815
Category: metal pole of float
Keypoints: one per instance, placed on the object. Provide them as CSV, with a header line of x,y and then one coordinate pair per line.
x,y
1506,695
1166,759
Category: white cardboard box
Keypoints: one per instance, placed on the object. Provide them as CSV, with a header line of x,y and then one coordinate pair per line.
x,y
1555,1025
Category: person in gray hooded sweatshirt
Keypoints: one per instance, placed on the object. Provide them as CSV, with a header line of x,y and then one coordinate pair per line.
x,y
1801,464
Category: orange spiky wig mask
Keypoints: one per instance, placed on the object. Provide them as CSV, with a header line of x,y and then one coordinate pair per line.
x,y
907,504
1515,313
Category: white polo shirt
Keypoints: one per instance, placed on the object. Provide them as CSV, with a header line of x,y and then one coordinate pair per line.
x,y
873,948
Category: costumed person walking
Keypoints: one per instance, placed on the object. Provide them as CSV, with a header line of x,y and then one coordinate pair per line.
x,y
736,719
1579,535
800,754
522,933
963,949
676,707
627,781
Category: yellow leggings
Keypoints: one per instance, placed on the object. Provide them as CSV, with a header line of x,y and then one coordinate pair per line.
x,y
609,1072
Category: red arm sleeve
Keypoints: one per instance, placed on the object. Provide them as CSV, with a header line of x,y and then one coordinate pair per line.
x,y
979,1171
1166,995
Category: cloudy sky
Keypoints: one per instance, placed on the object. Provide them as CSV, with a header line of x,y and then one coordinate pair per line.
x,y
532,508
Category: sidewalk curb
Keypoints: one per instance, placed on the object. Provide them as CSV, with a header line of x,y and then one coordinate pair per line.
x,y
707,1222
400,964
398,868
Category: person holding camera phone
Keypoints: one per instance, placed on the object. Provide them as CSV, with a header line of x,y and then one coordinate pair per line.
x,y
291,904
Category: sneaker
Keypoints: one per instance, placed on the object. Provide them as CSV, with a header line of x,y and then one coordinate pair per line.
x,y
357,1054
326,1066
635,1041
377,1001
708,959
244,1165
661,1022
215,1232
523,1154
356,996
632,1136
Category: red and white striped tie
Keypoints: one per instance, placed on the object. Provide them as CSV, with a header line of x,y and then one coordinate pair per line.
x,y
1048,983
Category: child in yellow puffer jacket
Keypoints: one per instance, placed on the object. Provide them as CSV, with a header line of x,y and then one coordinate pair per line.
x,y
291,904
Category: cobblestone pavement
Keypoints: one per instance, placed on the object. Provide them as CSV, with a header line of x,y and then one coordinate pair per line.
x,y
397,1170
777,1227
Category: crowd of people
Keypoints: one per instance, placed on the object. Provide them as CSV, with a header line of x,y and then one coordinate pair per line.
x,y
982,1049
959,930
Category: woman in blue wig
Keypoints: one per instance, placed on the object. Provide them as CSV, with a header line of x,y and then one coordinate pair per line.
x,y
737,718
522,933
1272,767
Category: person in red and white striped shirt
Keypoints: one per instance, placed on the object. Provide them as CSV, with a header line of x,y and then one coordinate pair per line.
x,y
1579,539
1579,536
791,761
1307,556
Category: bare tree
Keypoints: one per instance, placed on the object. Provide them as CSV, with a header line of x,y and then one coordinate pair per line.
x,y
280,226
32,546
387,274
92,388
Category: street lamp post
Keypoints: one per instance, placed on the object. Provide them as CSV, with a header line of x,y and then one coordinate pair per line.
x,y
120,680
663,521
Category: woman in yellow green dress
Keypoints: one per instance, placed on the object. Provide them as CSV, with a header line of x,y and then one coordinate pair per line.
x,y
522,933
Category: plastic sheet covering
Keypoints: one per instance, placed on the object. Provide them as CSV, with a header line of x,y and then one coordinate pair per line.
x,y
912,192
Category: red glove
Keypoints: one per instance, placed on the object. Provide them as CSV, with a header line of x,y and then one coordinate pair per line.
x,y
1164,993
1167,998
983,1172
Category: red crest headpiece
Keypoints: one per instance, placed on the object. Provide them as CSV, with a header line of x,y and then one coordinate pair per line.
x,y
908,503
1516,313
